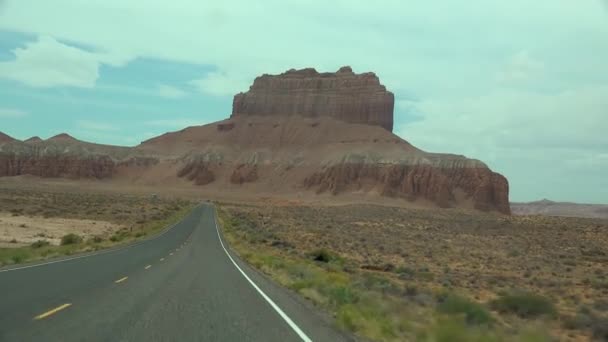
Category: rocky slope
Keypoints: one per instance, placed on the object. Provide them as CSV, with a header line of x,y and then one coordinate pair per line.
x,y
64,156
4,138
344,95
34,139
298,132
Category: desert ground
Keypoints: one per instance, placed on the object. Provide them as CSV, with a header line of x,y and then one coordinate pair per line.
x,y
524,278
40,221
19,231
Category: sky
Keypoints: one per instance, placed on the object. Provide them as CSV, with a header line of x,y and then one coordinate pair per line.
x,y
521,85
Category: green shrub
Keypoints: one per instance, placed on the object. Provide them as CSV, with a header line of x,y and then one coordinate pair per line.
x,y
341,295
454,330
524,305
405,271
599,329
321,255
115,237
20,256
474,313
40,243
70,239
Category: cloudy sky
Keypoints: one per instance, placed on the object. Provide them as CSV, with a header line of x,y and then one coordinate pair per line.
x,y
519,84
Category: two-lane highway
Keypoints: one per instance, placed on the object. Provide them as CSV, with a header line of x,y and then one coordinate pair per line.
x,y
183,285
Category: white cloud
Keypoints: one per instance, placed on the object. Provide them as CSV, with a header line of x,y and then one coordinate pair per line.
x,y
513,119
48,63
521,67
175,123
12,113
534,139
170,92
96,126
221,84
429,47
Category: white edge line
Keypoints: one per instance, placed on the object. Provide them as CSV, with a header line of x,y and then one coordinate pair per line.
x,y
283,315
95,253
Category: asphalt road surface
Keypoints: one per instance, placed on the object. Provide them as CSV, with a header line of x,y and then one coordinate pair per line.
x,y
184,285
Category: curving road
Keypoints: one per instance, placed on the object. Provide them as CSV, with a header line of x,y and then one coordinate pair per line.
x,y
183,285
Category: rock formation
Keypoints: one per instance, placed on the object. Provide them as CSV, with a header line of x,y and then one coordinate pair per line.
x,y
301,131
198,171
65,156
419,180
6,138
33,140
244,173
344,95
57,166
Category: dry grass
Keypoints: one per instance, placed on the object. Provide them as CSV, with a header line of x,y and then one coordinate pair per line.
x,y
123,218
542,272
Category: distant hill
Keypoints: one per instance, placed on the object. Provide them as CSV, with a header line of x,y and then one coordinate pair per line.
x,y
551,208
4,138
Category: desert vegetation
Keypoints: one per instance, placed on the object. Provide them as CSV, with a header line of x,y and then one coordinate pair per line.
x,y
98,220
392,274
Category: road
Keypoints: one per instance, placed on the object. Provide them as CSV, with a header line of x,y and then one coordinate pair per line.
x,y
183,285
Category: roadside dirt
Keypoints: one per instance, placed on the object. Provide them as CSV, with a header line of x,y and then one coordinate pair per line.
x,y
17,231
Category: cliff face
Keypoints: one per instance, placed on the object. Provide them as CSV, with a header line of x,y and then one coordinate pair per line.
x,y
57,166
487,190
64,156
344,95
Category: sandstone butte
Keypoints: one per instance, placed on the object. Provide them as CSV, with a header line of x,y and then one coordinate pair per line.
x,y
299,132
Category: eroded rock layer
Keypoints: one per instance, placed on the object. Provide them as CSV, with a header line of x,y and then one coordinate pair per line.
x,y
64,156
486,189
343,95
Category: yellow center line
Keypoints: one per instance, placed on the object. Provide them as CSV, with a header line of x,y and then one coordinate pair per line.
x,y
147,267
53,311
121,280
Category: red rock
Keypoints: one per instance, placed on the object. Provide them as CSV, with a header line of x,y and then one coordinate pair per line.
x,y
138,162
50,158
33,140
62,137
244,173
486,189
4,138
344,95
57,166
197,171
224,127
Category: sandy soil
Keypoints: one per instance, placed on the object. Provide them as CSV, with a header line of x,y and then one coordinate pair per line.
x,y
475,254
26,230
